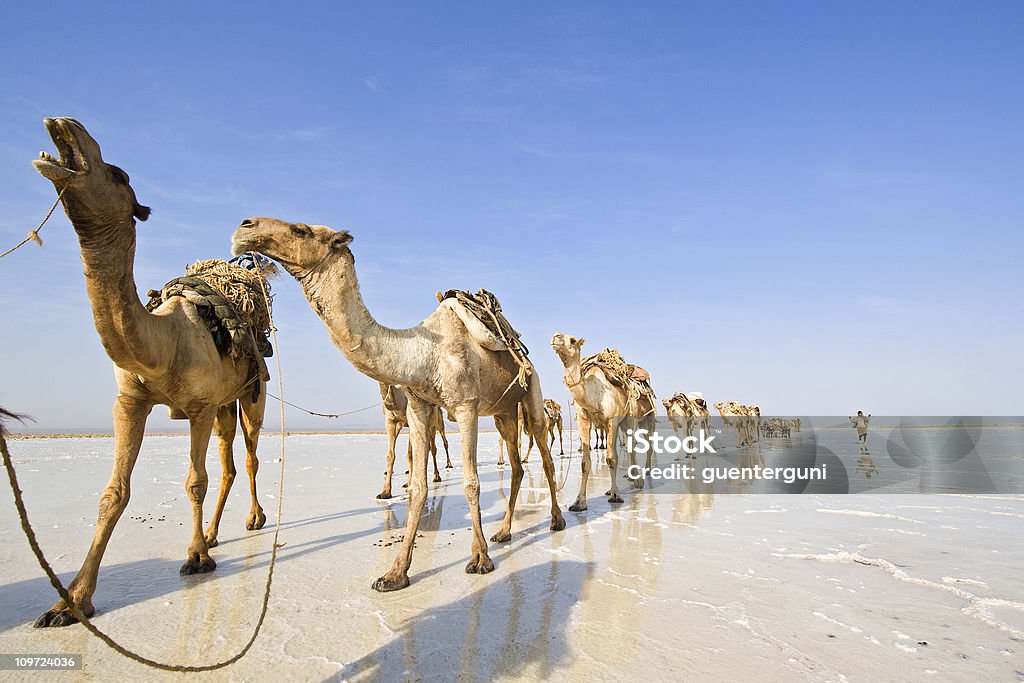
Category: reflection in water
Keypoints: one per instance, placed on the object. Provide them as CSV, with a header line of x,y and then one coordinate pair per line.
x,y
865,463
514,626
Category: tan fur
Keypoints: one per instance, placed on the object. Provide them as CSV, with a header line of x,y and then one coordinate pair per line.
x,y
165,357
598,402
395,405
437,362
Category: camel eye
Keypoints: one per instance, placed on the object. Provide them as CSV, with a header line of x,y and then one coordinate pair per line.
x,y
300,230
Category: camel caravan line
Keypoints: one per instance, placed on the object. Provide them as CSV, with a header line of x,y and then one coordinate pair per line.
x,y
199,346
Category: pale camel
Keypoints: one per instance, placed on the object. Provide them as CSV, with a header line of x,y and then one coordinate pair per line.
x,y
740,418
688,412
165,357
554,413
601,402
442,361
395,404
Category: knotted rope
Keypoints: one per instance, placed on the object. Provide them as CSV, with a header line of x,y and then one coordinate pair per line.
x,y
33,235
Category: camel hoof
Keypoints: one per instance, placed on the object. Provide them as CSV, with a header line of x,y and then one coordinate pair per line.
x,y
384,495
255,522
561,452
449,466
578,507
59,616
615,499
196,566
608,492
213,542
526,460
437,478
480,564
386,584
501,537
557,523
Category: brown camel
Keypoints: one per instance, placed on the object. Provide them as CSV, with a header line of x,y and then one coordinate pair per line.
x,y
395,405
450,359
600,401
166,357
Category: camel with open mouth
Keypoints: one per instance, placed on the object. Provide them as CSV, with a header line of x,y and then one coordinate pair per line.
x,y
166,356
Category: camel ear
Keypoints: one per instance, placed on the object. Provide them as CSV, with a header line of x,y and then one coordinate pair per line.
x,y
582,341
141,212
340,239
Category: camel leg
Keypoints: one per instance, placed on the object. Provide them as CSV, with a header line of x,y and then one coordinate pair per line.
x,y
432,441
501,450
561,445
408,457
529,448
252,425
198,560
509,431
581,498
419,416
224,426
392,428
467,417
636,482
612,458
129,427
444,439
537,423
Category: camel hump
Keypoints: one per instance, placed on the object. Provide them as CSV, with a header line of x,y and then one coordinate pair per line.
x,y
477,330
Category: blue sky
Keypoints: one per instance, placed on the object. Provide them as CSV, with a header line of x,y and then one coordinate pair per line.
x,y
811,206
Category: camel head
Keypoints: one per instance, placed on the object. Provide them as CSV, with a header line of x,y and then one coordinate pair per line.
x,y
567,348
95,193
718,406
300,248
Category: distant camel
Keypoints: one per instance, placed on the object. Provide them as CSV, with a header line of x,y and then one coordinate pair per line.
x,y
395,405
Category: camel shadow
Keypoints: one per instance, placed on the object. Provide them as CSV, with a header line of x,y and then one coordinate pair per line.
x,y
514,627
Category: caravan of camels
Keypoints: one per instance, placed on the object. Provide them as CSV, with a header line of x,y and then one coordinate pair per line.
x,y
198,349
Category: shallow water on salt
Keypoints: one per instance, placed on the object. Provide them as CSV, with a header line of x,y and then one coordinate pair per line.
x,y
808,587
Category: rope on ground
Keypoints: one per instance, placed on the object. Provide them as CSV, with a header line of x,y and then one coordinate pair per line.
x,y
313,412
33,235
113,644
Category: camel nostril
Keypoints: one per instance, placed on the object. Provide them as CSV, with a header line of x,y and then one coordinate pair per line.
x,y
247,223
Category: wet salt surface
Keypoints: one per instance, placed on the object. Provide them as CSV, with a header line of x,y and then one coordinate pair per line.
x,y
811,587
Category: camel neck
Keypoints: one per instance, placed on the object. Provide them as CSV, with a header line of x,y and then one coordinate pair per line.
x,y
385,354
123,323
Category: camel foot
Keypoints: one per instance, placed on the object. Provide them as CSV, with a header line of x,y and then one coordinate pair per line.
x,y
60,615
255,521
480,564
212,542
388,583
501,537
195,565
561,452
557,523
526,460
615,499
608,492
637,483
578,506
437,478
384,495
405,486
449,465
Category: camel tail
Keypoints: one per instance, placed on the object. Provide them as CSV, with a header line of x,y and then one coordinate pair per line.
x,y
6,415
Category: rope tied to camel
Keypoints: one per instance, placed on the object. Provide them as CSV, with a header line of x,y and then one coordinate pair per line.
x,y
234,301
633,378
485,307
33,235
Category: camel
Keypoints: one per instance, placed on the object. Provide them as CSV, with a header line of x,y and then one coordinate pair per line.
x,y
442,361
395,404
740,418
688,411
600,402
554,413
167,356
